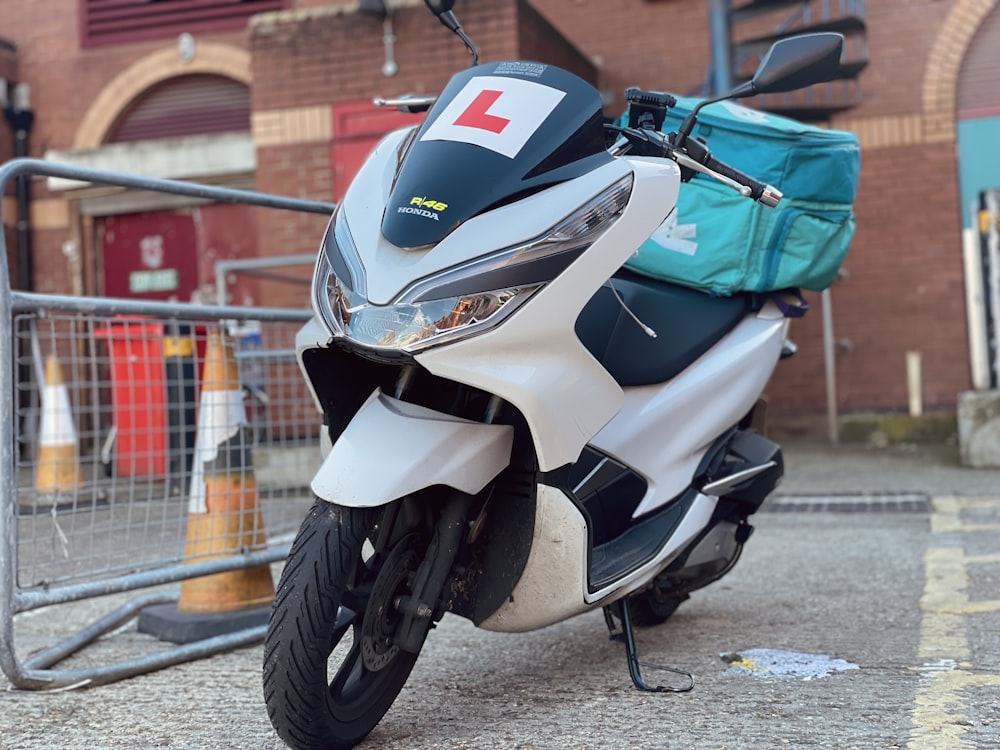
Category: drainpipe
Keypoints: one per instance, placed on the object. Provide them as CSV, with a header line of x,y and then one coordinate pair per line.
x,y
720,26
17,110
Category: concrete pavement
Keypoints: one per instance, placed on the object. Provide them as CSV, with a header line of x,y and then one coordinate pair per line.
x,y
908,596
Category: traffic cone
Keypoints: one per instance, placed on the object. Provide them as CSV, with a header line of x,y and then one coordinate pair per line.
x,y
223,518
57,471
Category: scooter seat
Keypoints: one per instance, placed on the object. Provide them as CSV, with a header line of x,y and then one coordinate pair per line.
x,y
687,323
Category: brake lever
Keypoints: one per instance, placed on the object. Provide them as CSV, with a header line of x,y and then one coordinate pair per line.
x,y
684,160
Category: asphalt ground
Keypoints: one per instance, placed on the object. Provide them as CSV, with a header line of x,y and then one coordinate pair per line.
x,y
865,613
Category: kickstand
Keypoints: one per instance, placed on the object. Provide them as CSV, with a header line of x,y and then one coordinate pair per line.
x,y
624,633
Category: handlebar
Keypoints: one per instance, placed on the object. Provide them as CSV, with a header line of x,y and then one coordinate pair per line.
x,y
693,155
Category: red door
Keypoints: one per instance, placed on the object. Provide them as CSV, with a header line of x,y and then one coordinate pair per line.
x,y
151,255
169,255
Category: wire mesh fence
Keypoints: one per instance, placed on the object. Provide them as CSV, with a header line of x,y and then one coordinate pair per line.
x,y
106,442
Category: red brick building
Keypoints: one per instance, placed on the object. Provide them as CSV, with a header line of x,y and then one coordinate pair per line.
x,y
274,94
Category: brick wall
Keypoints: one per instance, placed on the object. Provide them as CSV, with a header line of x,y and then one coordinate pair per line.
x,y
654,45
9,72
539,40
302,171
905,286
904,290
305,63
65,81
47,36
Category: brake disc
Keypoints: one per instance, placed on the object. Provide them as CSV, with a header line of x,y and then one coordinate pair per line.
x,y
381,615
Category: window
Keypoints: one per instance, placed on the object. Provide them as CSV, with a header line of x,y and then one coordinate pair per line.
x,y
116,21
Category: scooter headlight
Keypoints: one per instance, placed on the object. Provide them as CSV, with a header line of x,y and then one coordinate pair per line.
x,y
457,302
410,327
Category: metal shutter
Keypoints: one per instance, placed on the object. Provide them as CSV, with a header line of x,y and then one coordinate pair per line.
x,y
189,105
116,21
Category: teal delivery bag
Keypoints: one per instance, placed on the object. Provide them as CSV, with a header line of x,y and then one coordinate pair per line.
x,y
718,241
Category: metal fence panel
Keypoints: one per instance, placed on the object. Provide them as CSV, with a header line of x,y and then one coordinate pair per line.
x,y
105,460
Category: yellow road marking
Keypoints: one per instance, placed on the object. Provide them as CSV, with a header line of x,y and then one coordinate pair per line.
x,y
947,514
938,715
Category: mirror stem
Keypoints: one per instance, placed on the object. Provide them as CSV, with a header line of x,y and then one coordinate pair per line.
x,y
689,122
448,19
470,46
742,91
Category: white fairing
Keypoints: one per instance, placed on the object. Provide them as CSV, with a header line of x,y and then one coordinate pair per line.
x,y
312,335
663,430
392,448
653,197
534,359
559,554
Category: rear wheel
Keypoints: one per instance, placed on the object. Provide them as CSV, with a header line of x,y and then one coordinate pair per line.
x,y
653,607
331,670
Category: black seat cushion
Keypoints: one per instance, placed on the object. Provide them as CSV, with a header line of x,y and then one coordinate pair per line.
x,y
687,324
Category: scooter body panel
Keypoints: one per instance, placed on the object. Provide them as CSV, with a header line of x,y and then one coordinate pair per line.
x,y
663,431
559,552
393,448
534,360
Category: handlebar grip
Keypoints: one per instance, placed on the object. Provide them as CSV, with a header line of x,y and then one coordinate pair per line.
x,y
761,192
411,104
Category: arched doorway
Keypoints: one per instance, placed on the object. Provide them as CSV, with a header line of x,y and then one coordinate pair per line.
x,y
977,132
154,247
170,117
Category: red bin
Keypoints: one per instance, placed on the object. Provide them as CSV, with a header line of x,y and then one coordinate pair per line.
x,y
138,394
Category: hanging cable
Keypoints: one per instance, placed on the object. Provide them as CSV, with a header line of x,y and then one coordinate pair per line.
x,y
645,328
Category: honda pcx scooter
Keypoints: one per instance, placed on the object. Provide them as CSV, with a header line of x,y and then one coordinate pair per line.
x,y
520,431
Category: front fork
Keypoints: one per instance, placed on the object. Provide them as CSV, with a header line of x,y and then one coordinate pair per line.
x,y
425,599
419,607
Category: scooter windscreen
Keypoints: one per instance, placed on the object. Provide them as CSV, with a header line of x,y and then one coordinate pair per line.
x,y
497,133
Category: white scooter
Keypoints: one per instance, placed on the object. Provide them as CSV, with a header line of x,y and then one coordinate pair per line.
x,y
521,430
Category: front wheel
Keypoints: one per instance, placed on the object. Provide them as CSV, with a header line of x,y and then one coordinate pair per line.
x,y
331,670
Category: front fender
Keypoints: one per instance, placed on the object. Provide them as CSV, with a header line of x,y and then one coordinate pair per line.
x,y
392,448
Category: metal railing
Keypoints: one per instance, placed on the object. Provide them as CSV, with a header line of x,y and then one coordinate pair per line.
x,y
106,510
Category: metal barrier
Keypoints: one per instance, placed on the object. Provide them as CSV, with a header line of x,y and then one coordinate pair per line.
x,y
104,511
261,268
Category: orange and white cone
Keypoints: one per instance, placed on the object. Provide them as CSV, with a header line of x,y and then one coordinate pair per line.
x,y
223,518
57,471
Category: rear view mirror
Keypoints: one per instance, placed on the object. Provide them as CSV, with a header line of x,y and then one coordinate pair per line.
x,y
795,63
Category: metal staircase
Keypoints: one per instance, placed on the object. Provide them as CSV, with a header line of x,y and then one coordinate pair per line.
x,y
754,25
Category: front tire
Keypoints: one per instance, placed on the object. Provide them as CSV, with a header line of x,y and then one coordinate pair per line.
x,y
330,670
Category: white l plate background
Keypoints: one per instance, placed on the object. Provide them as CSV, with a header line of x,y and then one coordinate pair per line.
x,y
524,103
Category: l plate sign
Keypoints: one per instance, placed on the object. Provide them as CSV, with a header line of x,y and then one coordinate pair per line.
x,y
497,113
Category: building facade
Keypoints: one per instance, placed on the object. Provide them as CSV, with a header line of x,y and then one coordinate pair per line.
x,y
276,95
